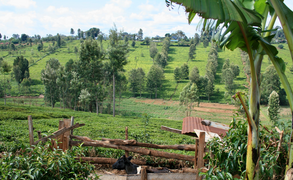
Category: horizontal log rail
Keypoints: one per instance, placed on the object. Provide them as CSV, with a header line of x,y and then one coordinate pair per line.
x,y
135,143
102,160
58,133
143,151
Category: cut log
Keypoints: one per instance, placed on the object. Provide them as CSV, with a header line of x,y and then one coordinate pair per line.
x,y
135,149
101,160
31,129
165,128
59,132
135,143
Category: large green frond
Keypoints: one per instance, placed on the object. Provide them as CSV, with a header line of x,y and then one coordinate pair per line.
x,y
221,10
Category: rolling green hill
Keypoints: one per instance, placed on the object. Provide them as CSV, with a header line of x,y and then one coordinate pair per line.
x,y
139,57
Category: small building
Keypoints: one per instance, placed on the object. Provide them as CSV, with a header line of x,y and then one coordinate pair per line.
x,y
192,126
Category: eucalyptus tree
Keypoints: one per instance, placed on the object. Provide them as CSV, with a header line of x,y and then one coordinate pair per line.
x,y
188,96
161,59
155,79
5,68
184,71
153,50
20,69
191,53
89,67
177,74
49,78
117,54
194,75
245,23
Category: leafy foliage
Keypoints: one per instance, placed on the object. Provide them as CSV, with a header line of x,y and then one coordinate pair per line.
x,y
41,162
229,154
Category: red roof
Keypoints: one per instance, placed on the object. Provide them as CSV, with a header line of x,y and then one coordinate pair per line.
x,y
191,123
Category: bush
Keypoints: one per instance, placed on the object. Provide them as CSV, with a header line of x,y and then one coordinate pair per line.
x,y
229,154
280,46
41,162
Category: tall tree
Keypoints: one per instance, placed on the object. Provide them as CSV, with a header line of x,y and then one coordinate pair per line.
x,y
161,60
140,34
90,67
188,96
177,74
194,75
184,71
155,79
209,89
20,69
191,52
133,83
24,37
270,82
153,50
117,56
79,33
5,68
72,31
141,78
58,40
49,78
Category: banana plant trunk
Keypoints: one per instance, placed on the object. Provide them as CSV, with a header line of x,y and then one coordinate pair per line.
x,y
279,9
253,148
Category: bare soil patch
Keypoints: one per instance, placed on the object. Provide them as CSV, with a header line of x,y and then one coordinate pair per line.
x,y
205,107
26,97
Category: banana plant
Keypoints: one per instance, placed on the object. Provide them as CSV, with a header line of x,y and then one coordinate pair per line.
x,y
245,22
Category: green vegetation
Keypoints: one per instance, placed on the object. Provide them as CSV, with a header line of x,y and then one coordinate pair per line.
x,y
177,56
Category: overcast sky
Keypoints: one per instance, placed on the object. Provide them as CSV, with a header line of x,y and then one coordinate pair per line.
x,y
59,16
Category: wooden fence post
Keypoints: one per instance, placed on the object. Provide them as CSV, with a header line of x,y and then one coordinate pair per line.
x,y
66,135
31,129
39,135
60,138
200,161
144,174
195,153
126,138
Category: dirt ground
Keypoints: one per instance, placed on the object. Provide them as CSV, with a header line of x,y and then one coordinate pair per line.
x,y
204,107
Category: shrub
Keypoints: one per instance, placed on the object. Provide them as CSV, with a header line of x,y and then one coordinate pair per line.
x,y
41,162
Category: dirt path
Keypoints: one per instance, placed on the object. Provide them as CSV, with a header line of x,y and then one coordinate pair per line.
x,y
204,107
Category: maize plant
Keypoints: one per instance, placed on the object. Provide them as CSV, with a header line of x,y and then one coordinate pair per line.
x,y
243,24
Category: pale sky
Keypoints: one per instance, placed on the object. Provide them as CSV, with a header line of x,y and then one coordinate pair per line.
x,y
59,16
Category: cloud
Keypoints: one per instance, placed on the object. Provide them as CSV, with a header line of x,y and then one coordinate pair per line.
x,y
18,3
61,10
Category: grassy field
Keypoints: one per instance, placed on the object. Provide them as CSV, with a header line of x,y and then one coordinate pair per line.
x,y
14,128
139,57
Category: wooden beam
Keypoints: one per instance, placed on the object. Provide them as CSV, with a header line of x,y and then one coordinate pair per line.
x,y
135,143
126,138
59,132
165,128
31,129
201,145
143,151
66,135
144,174
102,160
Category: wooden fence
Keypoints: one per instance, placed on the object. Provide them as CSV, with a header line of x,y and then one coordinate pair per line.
x,y
64,136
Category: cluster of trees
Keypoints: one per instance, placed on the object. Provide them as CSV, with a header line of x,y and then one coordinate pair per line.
x,y
199,86
229,73
270,81
5,68
153,81
88,81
